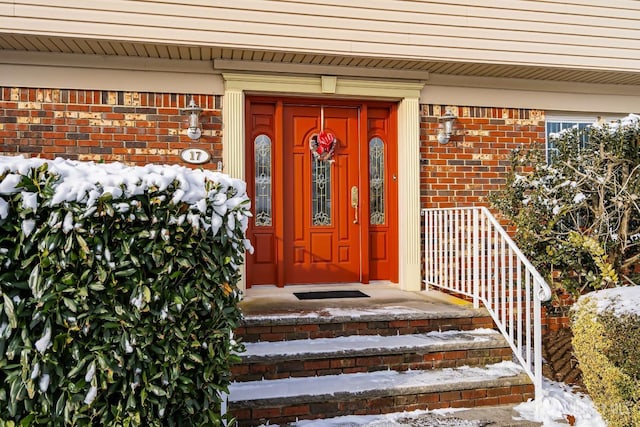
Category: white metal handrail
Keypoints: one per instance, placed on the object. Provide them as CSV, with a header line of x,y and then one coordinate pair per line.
x,y
468,252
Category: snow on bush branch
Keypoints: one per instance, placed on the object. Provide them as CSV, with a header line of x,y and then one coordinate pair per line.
x,y
578,212
85,183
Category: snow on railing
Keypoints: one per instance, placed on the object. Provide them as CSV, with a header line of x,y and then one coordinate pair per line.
x,y
468,252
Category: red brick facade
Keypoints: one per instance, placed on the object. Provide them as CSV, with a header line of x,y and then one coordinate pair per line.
x,y
130,127
475,161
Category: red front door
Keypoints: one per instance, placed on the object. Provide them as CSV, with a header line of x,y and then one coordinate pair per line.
x,y
322,229
319,219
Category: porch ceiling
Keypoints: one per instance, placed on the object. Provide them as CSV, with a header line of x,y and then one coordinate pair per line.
x,y
40,43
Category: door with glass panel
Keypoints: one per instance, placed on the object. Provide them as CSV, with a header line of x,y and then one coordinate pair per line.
x,y
322,240
321,177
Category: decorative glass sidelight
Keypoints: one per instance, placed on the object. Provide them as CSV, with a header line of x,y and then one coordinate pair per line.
x,y
320,192
376,182
262,152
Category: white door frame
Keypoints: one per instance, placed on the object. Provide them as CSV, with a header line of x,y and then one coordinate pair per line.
x,y
406,93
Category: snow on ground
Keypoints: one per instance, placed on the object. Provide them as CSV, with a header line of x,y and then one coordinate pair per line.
x,y
560,406
335,313
558,402
436,418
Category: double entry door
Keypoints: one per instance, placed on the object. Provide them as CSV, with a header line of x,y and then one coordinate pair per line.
x,y
321,176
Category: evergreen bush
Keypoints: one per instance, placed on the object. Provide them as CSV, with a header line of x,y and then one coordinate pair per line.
x,y
119,293
605,344
577,213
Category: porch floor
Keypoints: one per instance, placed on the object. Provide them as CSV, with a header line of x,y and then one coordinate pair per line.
x,y
385,300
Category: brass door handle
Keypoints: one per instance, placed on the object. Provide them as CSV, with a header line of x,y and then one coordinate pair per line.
x,y
354,203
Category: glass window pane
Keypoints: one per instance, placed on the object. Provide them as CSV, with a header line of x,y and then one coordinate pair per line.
x,y
262,153
376,182
320,192
554,127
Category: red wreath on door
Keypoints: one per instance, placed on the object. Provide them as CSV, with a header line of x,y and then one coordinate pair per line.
x,y
323,145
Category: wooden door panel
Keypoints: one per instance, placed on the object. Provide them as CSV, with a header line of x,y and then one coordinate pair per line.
x,y
297,260
322,249
383,240
378,246
343,207
262,265
264,250
300,202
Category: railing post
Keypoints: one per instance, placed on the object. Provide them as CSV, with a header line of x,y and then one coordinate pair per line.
x,y
537,351
476,256
428,249
224,398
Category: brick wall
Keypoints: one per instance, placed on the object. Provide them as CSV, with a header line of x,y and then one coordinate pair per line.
x,y
474,162
130,127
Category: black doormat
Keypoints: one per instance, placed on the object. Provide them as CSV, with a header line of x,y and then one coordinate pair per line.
x,y
330,294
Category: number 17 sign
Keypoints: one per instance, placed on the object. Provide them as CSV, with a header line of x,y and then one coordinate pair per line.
x,y
195,156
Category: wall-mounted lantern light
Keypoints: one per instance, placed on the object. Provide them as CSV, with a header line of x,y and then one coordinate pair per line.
x,y
446,128
193,112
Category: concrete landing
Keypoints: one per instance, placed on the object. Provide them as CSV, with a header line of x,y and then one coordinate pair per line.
x,y
384,300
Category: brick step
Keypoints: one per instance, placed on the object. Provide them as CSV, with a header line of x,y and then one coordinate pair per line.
x,y
287,400
370,353
301,327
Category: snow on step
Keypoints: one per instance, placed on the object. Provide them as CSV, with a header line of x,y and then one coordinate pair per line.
x,y
330,385
340,314
373,344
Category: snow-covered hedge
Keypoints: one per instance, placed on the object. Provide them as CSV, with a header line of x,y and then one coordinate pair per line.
x,y
606,327
118,292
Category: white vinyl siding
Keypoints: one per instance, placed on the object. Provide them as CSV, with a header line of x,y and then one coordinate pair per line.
x,y
598,35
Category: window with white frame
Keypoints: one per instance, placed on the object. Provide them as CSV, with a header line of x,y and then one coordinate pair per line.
x,y
555,123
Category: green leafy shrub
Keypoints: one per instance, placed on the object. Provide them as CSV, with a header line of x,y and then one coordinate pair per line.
x,y
605,344
119,292
577,216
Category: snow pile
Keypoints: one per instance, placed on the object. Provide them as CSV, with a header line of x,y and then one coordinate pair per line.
x,y
437,418
629,120
86,182
560,406
335,313
622,300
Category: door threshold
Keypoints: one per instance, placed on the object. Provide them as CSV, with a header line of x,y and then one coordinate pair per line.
x,y
376,283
